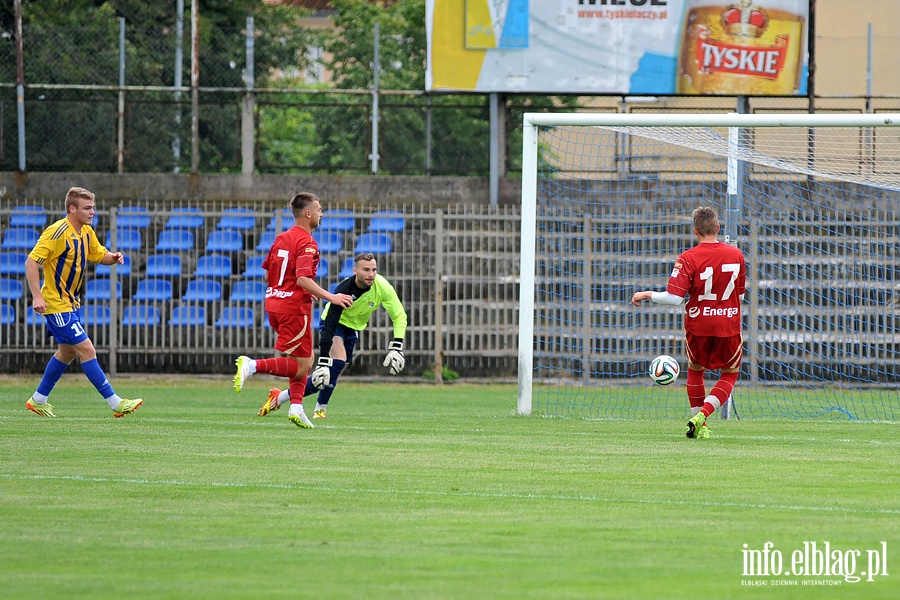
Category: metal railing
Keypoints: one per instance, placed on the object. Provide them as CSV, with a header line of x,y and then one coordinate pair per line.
x,y
455,270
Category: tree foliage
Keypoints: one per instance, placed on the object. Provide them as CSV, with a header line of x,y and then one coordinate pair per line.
x,y
458,125
77,42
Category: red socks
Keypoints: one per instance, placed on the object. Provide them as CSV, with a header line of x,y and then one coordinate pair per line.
x,y
696,389
280,367
298,386
284,367
722,392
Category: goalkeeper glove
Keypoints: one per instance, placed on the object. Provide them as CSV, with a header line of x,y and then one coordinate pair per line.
x,y
321,376
394,360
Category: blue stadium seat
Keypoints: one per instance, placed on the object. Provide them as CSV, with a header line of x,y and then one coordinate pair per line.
x,y
141,315
188,316
20,238
95,315
213,266
330,242
376,243
322,271
185,217
248,290
265,241
333,286
202,290
225,240
33,318
128,239
175,240
123,270
12,263
7,314
253,269
337,220
163,265
153,290
287,220
236,316
97,290
11,289
136,217
386,222
242,219
28,216
347,268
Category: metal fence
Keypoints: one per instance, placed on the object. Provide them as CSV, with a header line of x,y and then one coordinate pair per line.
x,y
88,109
190,298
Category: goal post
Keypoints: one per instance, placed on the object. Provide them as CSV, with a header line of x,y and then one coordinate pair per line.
x,y
813,201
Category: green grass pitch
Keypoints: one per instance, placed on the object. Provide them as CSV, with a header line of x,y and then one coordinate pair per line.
x,y
420,491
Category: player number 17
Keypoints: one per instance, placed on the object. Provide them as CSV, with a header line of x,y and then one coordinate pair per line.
x,y
706,276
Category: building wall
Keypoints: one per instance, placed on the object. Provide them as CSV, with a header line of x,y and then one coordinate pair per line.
x,y
841,49
435,191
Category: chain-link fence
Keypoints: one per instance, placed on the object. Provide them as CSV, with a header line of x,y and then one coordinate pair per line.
x,y
73,100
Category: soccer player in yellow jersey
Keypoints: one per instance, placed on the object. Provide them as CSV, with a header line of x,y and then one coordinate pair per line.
x,y
63,252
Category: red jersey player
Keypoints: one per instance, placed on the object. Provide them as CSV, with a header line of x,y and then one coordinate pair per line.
x,y
290,274
712,275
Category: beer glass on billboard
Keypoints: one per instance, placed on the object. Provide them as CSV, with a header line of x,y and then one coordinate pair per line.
x,y
753,48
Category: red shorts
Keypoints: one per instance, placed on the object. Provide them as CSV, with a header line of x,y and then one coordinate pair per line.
x,y
295,334
715,352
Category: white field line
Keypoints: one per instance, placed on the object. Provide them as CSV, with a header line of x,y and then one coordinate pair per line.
x,y
497,495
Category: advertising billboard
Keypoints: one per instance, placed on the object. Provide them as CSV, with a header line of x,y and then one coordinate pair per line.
x,y
634,47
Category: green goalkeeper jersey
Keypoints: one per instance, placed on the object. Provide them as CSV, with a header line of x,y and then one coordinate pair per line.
x,y
365,302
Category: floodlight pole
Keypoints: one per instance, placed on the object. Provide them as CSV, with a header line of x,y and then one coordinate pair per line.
x,y
179,59
376,67
869,157
20,86
811,81
121,111
494,110
195,87
247,138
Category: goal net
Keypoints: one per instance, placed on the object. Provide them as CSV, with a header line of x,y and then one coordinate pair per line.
x,y
813,201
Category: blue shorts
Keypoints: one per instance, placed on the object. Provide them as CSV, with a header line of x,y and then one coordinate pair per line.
x,y
66,328
350,337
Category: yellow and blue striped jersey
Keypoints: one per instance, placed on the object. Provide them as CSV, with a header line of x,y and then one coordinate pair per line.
x,y
64,253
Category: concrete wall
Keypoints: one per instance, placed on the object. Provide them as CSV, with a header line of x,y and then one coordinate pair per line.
x,y
437,191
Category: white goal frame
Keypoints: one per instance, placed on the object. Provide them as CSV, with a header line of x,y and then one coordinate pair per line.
x,y
532,122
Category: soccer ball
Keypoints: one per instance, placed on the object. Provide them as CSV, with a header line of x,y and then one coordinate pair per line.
x,y
664,369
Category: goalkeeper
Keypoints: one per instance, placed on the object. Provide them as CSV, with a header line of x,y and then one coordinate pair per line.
x,y
339,331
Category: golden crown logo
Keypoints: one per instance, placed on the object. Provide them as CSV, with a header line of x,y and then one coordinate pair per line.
x,y
745,21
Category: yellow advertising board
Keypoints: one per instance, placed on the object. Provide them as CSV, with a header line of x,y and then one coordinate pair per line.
x,y
637,47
